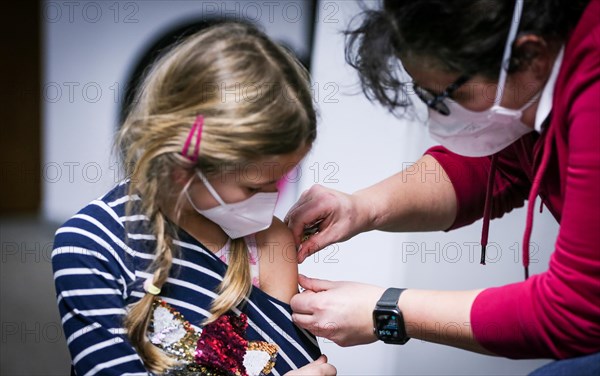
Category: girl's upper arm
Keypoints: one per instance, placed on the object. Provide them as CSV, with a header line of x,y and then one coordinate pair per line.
x,y
278,262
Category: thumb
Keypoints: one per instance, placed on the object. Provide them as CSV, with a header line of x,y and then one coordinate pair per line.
x,y
314,284
313,244
321,360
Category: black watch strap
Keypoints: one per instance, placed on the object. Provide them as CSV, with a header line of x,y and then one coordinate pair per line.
x,y
390,297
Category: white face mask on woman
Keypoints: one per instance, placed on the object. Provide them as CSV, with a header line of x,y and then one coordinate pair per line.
x,y
241,218
477,134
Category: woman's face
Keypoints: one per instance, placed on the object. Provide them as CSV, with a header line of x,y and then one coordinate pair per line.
x,y
241,182
479,92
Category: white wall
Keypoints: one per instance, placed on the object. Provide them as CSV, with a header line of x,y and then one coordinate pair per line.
x,y
363,144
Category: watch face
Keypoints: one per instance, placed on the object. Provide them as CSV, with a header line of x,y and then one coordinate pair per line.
x,y
387,325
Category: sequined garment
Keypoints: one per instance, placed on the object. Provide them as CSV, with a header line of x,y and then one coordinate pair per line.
x,y
220,348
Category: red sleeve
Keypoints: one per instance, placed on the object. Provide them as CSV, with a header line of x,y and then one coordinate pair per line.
x,y
469,178
557,313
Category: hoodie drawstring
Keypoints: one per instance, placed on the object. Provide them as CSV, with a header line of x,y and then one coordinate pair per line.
x,y
535,188
487,210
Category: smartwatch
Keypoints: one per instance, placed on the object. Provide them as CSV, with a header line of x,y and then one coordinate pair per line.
x,y
388,323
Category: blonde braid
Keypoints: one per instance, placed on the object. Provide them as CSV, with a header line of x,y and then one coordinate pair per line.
x,y
145,180
138,318
237,282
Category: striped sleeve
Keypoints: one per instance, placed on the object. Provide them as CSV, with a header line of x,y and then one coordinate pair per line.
x,y
92,273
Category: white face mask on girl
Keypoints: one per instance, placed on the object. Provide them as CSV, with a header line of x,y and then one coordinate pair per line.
x,y
478,134
241,218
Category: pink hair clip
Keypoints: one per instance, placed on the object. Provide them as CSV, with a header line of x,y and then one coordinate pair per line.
x,y
196,129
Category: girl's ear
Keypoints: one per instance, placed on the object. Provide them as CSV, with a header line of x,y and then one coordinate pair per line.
x,y
180,176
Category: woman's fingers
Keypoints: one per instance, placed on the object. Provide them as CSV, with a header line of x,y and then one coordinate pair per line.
x,y
301,303
319,367
337,310
326,330
307,301
314,244
321,216
315,284
309,210
303,321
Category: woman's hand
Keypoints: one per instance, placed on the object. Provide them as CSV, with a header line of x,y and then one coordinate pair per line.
x,y
343,313
340,216
339,311
412,200
319,367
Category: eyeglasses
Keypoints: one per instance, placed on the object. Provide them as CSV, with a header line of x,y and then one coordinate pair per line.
x,y
436,102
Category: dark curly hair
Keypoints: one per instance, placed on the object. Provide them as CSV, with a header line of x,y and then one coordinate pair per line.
x,y
461,36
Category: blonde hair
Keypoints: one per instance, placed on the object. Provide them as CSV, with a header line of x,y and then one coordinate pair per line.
x,y
255,99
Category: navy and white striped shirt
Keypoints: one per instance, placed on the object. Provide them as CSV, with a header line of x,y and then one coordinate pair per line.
x,y
99,269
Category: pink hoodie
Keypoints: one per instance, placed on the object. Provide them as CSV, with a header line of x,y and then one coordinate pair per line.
x,y
555,314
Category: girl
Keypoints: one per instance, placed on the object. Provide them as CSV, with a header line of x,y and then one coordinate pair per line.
x,y
182,268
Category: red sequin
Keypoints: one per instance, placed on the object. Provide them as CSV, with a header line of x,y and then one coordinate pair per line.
x,y
222,345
